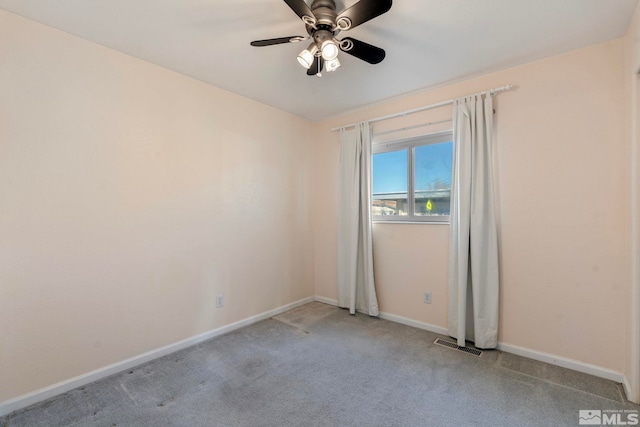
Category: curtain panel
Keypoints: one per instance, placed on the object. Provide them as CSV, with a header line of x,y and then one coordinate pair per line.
x,y
356,288
473,242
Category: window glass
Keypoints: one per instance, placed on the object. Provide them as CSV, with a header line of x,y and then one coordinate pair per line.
x,y
389,192
432,179
411,179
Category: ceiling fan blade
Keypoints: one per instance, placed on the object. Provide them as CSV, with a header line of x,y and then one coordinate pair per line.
x,y
316,67
270,42
300,8
362,50
362,12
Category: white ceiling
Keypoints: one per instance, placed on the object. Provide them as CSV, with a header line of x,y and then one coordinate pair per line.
x,y
428,42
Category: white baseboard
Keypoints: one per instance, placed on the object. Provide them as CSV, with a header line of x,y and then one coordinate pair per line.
x,y
416,324
23,401
326,300
394,318
627,388
564,362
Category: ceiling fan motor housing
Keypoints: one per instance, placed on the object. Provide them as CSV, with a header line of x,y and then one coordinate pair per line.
x,y
325,13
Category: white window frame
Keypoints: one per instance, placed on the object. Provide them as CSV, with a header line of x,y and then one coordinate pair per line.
x,y
410,144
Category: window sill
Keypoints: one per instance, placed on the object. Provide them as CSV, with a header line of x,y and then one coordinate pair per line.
x,y
412,222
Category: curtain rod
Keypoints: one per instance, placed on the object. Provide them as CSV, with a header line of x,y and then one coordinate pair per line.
x,y
428,107
410,127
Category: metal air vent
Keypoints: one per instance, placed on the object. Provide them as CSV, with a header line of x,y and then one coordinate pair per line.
x,y
449,344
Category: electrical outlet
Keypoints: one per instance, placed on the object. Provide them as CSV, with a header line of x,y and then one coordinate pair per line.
x,y
219,301
427,298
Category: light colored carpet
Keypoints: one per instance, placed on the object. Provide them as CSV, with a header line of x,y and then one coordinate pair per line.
x,y
319,366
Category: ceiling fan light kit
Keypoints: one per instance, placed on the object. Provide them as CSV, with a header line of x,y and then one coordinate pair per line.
x,y
333,65
323,24
306,57
328,46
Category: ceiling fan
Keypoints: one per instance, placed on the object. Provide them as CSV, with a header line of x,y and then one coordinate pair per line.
x,y
323,24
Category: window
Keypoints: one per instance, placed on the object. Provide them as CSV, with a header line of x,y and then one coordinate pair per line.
x,y
411,179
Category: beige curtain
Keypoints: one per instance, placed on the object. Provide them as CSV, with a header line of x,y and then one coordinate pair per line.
x,y
473,243
356,288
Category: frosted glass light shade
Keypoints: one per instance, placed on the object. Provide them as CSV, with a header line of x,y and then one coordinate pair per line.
x,y
332,65
305,58
329,50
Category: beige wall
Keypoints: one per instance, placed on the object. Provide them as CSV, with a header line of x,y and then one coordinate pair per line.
x,y
130,196
562,200
632,81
